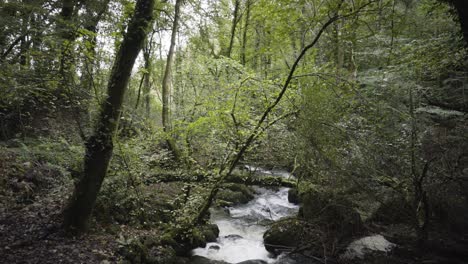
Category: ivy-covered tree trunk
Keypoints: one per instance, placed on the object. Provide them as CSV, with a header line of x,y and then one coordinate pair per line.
x,y
99,146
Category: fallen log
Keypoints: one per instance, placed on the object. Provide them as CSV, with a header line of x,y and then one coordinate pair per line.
x,y
243,178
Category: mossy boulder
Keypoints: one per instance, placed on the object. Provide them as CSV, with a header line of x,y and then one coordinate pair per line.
x,y
293,196
283,236
234,194
289,234
197,237
210,232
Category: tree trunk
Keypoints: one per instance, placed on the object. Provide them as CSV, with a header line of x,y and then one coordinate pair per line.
x,y
244,36
92,19
167,81
420,202
145,83
67,36
149,68
462,10
235,19
99,147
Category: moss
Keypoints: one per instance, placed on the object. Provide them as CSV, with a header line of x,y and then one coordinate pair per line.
x,y
232,194
183,243
210,232
284,235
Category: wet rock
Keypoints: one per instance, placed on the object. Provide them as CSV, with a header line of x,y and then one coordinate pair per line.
x,y
293,196
233,237
183,244
283,236
234,194
210,232
253,261
203,260
215,247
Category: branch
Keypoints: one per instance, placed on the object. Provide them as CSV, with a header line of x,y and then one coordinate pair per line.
x,y
258,128
12,45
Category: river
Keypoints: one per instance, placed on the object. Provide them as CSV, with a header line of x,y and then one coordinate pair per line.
x,y
242,227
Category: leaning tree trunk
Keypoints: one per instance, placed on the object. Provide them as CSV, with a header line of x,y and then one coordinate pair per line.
x,y
99,146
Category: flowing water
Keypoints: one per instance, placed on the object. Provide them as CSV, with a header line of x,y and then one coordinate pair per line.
x,y
242,227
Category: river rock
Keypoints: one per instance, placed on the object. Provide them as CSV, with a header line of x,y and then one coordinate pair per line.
x,y
293,196
283,236
253,261
214,247
183,244
203,260
234,194
233,237
359,248
210,232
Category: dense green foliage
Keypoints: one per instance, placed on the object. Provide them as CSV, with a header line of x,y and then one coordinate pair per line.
x,y
375,111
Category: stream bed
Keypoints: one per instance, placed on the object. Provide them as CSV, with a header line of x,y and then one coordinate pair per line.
x,y
242,227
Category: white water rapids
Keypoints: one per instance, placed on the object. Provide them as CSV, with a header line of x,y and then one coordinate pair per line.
x,y
242,227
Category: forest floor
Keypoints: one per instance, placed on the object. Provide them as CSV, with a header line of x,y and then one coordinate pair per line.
x,y
30,215
32,197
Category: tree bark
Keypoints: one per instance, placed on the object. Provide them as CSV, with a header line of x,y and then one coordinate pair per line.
x,y
235,19
65,31
94,15
461,6
99,147
145,82
167,81
244,35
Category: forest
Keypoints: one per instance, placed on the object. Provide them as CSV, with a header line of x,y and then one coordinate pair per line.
x,y
234,131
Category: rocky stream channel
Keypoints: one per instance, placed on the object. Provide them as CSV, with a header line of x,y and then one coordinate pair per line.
x,y
242,227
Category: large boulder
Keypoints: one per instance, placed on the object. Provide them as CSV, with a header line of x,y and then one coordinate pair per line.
x,y
284,235
291,234
184,243
325,223
234,194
